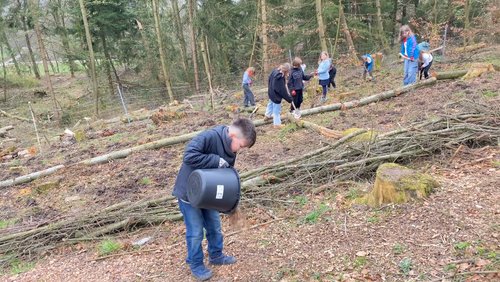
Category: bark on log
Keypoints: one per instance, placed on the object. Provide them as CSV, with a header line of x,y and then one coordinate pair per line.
x,y
318,128
14,116
30,177
471,47
449,74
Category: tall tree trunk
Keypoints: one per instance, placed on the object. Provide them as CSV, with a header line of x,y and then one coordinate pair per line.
x,y
4,75
166,76
397,17
466,21
191,9
11,52
180,35
110,61
24,21
321,25
149,60
61,26
263,35
43,52
88,36
207,70
380,25
254,43
107,65
347,34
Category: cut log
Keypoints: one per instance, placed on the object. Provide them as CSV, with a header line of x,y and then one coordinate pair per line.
x,y
30,177
471,47
14,116
478,69
397,184
449,74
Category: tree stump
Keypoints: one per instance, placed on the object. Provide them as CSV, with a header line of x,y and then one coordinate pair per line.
x,y
398,184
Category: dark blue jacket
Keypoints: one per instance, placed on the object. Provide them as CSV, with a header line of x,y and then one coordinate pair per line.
x,y
369,66
204,151
277,88
297,76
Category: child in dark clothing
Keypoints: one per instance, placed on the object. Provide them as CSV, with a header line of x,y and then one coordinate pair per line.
x,y
332,72
296,84
213,148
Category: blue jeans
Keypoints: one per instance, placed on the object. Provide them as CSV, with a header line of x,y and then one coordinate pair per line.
x,y
249,98
274,110
196,220
410,72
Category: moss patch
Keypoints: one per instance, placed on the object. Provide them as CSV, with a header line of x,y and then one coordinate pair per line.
x,y
367,136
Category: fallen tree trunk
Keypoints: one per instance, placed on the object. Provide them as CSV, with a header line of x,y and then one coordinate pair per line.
x,y
368,100
14,116
186,137
449,74
470,47
318,128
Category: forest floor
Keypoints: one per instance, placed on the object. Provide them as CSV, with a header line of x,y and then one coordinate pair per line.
x,y
454,235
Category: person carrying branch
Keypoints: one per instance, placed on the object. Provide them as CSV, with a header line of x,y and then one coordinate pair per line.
x,y
410,53
296,85
213,148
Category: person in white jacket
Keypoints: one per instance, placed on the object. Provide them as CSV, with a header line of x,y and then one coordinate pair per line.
x,y
426,60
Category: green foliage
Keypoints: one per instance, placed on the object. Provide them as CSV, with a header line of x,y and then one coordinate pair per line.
x,y
353,194
490,93
460,246
108,247
360,262
18,266
405,266
145,181
287,129
4,223
13,80
314,216
450,267
373,219
301,200
398,249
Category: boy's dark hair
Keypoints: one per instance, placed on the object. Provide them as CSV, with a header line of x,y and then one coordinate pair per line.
x,y
296,62
247,128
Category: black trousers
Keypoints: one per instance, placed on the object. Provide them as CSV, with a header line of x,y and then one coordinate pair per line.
x,y
425,71
297,99
332,73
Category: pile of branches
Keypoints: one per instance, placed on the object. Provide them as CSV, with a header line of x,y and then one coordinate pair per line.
x,y
352,159
30,241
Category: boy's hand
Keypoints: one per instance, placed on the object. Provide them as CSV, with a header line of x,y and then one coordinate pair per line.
x,y
223,163
294,93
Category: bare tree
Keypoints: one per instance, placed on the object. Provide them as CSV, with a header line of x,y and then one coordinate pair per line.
x,y
347,33
43,53
191,9
24,22
180,34
321,25
88,37
263,35
380,26
4,75
166,76
11,52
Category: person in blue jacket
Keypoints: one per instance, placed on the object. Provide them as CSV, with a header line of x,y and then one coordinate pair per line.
x,y
410,53
368,66
213,148
323,75
296,84
277,91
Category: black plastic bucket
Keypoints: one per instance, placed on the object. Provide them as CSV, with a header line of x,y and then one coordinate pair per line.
x,y
216,189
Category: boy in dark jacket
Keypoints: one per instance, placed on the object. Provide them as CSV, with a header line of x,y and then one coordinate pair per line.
x,y
213,148
276,92
296,84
